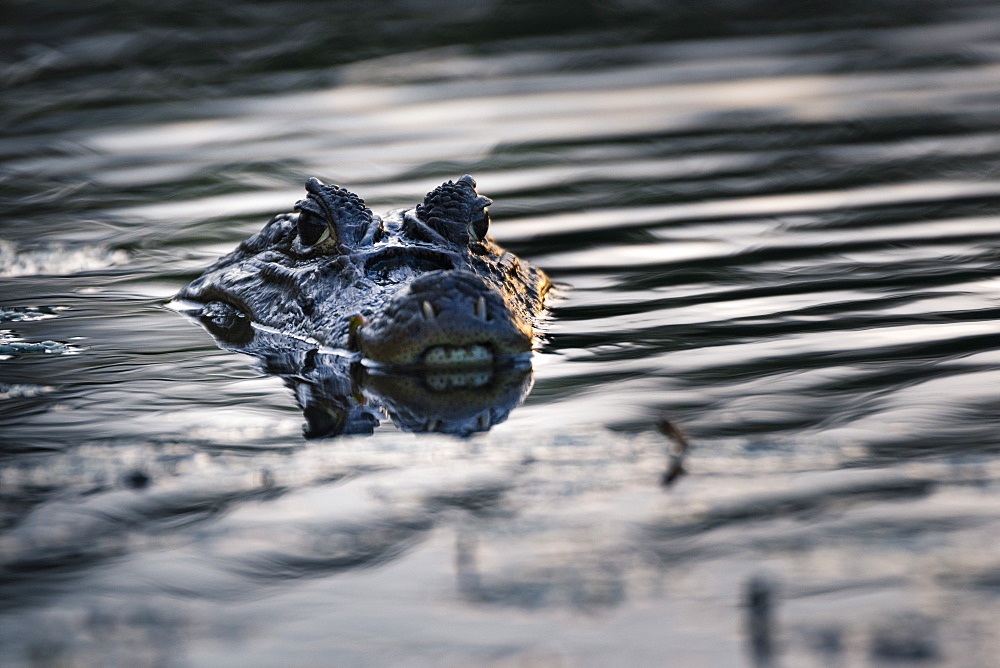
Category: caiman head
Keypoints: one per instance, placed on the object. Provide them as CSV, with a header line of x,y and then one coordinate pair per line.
x,y
477,306
422,286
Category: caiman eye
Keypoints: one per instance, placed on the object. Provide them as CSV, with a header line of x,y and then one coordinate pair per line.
x,y
479,225
312,228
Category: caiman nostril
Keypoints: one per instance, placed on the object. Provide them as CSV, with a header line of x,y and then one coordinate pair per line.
x,y
481,309
428,311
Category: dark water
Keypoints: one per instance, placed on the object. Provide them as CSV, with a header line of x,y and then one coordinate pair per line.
x,y
777,229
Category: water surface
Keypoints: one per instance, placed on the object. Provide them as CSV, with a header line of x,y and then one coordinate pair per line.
x,y
781,234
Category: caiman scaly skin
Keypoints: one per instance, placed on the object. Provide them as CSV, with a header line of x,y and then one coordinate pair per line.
x,y
420,286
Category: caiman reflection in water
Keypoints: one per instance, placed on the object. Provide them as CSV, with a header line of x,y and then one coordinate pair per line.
x,y
418,312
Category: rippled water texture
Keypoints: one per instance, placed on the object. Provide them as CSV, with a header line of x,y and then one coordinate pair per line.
x,y
776,231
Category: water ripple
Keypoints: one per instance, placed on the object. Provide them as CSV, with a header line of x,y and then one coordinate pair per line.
x,y
787,245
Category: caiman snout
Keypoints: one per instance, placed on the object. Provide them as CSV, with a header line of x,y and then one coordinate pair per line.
x,y
445,318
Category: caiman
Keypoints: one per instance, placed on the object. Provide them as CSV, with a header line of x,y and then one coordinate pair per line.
x,y
420,287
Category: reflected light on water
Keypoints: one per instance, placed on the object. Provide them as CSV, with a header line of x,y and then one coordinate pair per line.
x,y
777,233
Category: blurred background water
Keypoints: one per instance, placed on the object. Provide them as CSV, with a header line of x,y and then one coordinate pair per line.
x,y
775,225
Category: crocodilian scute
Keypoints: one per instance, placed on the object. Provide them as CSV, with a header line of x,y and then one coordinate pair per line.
x,y
456,211
331,215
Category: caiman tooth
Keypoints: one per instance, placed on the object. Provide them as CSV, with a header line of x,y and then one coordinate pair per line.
x,y
432,425
484,420
481,309
428,311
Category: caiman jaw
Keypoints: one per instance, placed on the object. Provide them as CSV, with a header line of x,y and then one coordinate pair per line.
x,y
474,354
445,319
